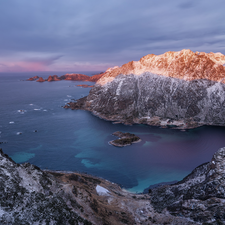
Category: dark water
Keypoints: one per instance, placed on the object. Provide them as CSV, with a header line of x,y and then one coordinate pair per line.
x,y
78,141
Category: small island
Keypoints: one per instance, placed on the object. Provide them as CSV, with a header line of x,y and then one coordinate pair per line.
x,y
124,139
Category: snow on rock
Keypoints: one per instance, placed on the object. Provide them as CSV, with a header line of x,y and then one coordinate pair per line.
x,y
101,190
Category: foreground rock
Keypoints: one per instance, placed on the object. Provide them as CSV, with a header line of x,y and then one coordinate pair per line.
x,y
29,195
124,139
180,90
200,196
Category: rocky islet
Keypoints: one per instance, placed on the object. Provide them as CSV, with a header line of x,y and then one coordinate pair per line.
x,y
72,76
124,139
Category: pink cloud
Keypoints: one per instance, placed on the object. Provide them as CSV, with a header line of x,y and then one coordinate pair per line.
x,y
32,66
23,66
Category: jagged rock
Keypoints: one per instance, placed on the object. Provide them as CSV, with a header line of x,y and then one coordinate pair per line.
x,y
199,196
40,79
185,65
33,78
31,196
53,78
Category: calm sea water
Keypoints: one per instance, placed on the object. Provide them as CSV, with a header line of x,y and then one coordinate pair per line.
x,y
78,141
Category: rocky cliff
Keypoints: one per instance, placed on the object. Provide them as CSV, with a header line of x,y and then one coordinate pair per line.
x,y
177,89
29,195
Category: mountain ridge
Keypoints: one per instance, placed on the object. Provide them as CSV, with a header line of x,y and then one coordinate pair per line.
x,y
184,64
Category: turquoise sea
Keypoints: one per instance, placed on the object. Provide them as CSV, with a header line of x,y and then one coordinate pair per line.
x,y
78,141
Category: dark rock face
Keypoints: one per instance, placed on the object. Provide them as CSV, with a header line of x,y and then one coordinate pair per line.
x,y
159,100
124,139
199,196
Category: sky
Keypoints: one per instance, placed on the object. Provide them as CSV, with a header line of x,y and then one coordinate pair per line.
x,y
93,35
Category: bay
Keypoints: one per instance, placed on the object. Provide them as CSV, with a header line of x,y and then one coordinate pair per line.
x,y
39,131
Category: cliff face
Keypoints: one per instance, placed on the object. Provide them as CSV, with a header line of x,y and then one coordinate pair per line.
x,y
179,89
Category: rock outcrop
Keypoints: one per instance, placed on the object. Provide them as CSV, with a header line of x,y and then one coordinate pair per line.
x,y
29,195
33,78
40,79
177,89
53,78
200,196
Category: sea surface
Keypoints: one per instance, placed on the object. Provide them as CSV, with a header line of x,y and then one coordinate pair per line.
x,y
39,131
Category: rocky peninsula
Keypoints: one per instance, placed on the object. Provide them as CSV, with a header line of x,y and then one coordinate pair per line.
x,y
29,195
180,90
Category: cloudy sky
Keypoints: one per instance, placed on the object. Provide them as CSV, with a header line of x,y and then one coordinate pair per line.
x,y
82,35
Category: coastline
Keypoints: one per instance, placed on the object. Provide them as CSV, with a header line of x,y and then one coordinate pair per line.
x,y
153,121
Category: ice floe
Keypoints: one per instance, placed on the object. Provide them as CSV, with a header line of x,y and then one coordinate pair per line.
x,y
37,109
11,122
69,96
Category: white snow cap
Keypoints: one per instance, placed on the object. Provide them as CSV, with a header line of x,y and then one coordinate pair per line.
x,y
101,190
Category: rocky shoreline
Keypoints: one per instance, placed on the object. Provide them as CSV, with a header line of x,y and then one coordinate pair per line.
x,y
182,124
29,195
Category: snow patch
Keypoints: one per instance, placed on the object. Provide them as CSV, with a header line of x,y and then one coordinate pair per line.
x,y
119,88
1,212
101,190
